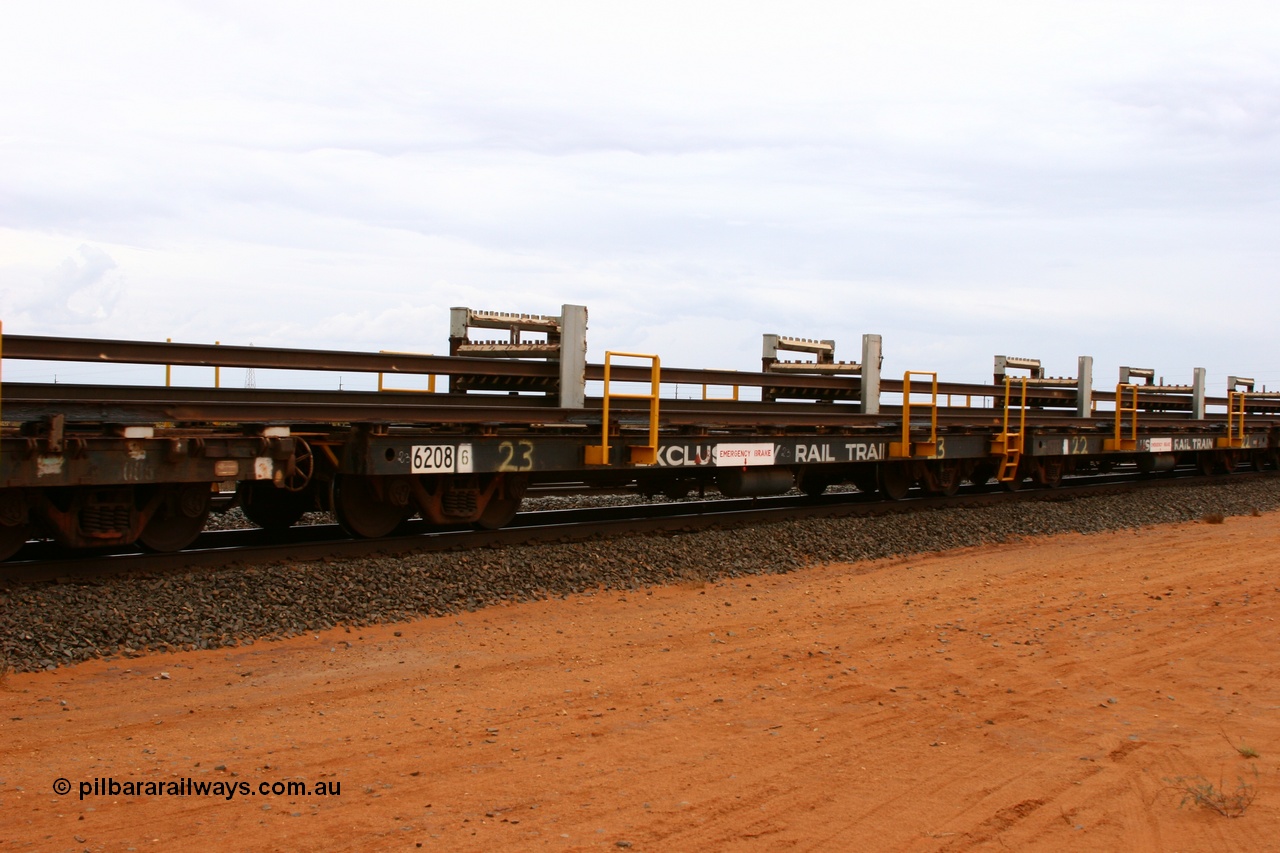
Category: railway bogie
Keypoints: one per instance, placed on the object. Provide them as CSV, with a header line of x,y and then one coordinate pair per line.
x,y
96,467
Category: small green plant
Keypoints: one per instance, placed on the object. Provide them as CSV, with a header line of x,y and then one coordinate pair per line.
x,y
1245,750
1199,791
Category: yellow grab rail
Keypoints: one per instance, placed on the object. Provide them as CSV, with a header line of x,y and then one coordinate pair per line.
x,y
1235,420
1118,441
734,397
907,447
431,377
598,454
1009,444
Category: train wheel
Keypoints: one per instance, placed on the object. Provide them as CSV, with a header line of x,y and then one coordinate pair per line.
x,y
895,480
866,479
1204,463
1048,472
945,477
271,508
179,519
12,538
503,504
982,474
361,511
814,485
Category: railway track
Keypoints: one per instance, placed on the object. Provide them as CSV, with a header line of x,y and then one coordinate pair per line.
x,y
44,562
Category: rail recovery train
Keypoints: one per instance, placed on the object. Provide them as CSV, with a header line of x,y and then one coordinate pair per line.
x,y
94,466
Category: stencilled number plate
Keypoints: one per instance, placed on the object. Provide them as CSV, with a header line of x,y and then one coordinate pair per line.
x,y
442,459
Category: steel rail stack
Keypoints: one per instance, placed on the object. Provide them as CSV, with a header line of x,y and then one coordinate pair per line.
x,y
94,466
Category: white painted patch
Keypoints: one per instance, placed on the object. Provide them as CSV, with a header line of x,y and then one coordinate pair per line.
x,y
263,468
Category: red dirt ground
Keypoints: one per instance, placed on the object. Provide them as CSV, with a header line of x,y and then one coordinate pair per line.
x,y
1053,694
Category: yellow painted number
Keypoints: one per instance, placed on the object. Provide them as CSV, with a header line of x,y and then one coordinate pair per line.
x,y
516,455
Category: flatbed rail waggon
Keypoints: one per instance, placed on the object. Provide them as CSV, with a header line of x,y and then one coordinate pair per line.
x,y
95,466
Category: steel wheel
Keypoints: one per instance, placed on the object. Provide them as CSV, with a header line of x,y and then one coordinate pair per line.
x,y
982,474
179,518
12,538
271,508
503,504
361,511
946,477
814,485
895,480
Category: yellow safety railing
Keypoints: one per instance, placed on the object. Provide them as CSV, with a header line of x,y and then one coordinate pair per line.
x,y
734,397
1235,420
598,454
168,369
906,447
1009,443
431,377
1118,441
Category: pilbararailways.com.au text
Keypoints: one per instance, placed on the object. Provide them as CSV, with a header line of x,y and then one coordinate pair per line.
x,y
111,787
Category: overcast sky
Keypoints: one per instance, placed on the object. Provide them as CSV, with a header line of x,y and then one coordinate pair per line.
x,y
964,178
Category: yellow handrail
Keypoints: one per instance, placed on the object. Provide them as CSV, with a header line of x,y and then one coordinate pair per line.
x,y
733,398
598,454
920,448
431,377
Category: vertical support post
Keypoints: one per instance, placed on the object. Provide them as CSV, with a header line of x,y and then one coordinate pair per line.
x,y
573,356
871,374
217,371
769,352
457,336
1197,394
168,368
1084,387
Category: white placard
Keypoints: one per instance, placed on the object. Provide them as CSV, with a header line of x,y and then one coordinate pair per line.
x,y
738,455
442,459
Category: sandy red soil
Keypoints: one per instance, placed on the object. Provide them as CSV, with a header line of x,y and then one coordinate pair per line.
x,y
1052,694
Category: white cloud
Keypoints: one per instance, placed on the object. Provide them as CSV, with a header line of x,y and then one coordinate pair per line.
x,y
963,178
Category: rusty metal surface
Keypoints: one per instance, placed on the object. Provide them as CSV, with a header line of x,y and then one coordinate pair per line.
x,y
325,542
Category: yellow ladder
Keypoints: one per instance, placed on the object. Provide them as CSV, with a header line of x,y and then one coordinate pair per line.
x,y
1235,420
598,454
1118,441
1008,445
907,448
